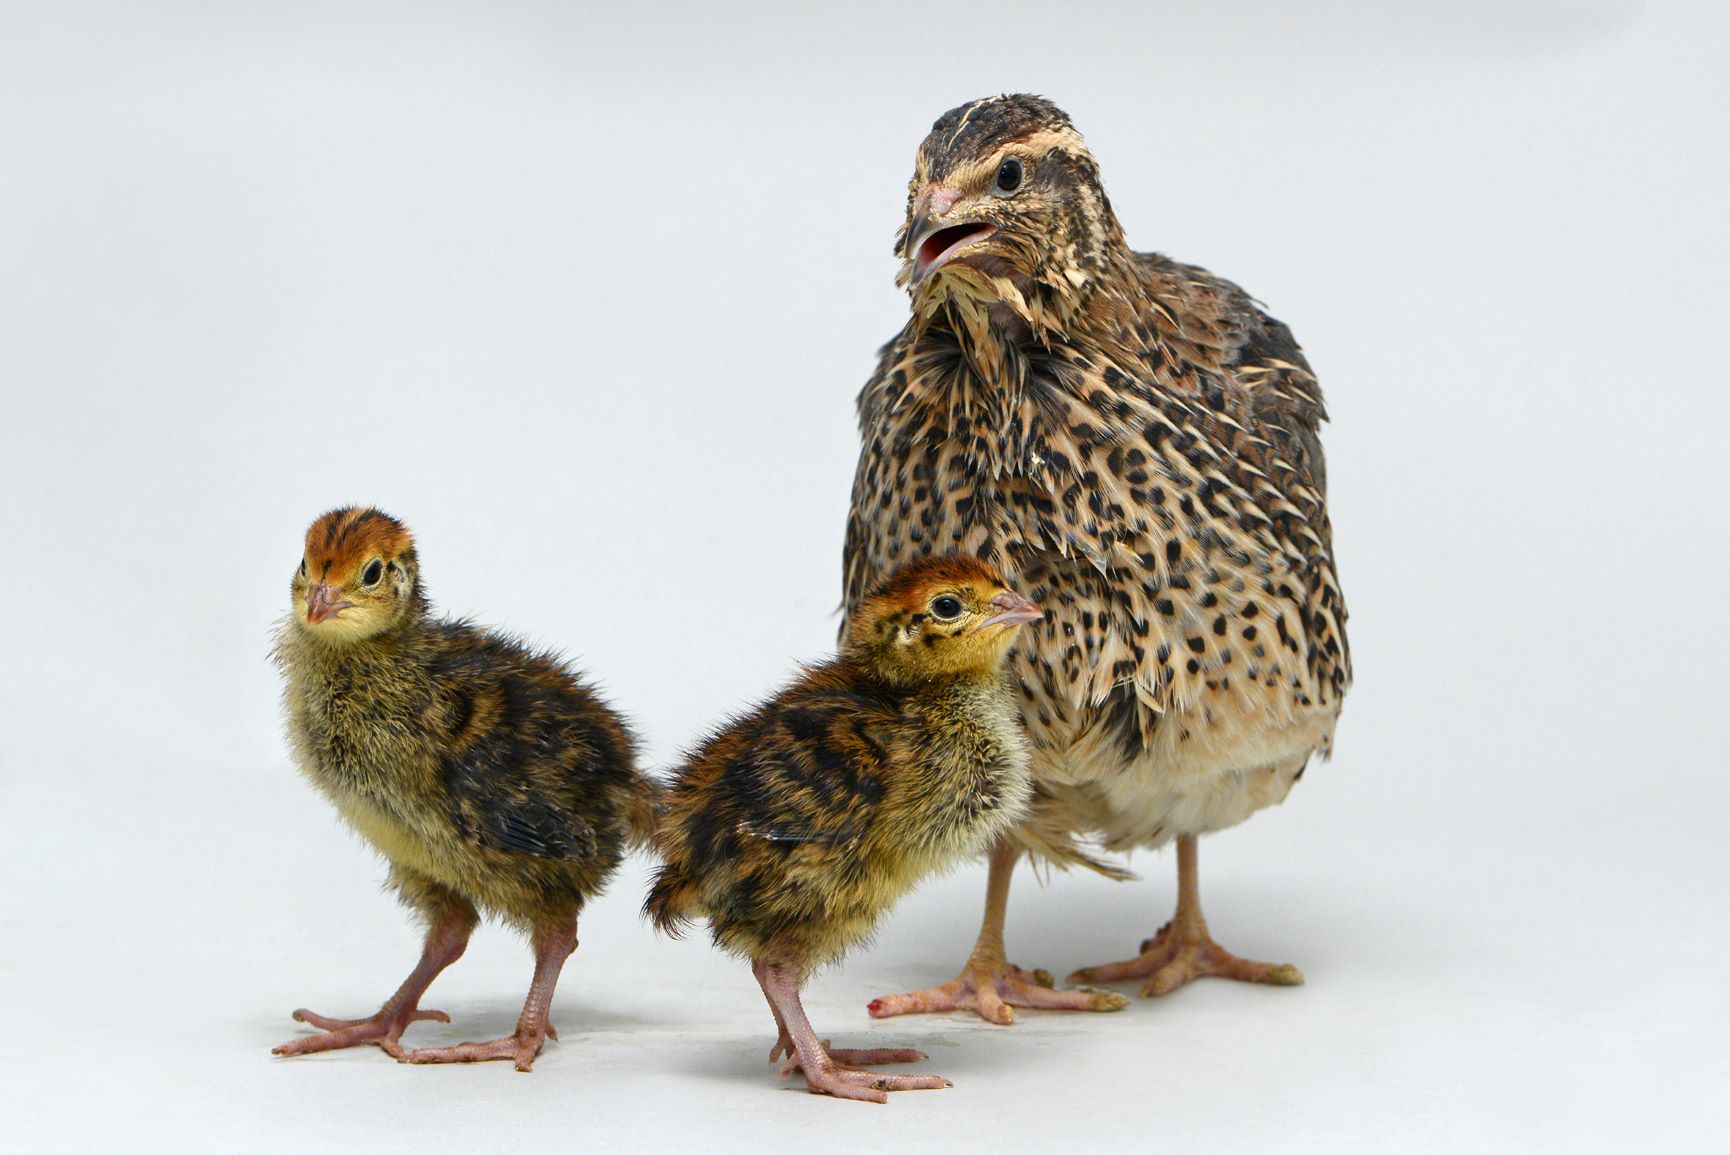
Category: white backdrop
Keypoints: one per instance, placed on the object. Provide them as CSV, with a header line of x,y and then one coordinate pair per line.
x,y
585,297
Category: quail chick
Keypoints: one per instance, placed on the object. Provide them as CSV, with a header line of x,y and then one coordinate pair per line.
x,y
490,776
797,825
1134,443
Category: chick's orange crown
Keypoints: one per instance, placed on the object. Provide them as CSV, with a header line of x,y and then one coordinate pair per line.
x,y
906,589
938,617
343,540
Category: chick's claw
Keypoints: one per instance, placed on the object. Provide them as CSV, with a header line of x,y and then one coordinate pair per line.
x,y
869,1086
875,1056
842,1073
383,1030
521,1048
992,991
845,1056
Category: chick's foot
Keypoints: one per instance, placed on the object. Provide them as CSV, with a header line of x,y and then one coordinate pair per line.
x,y
553,943
1182,951
843,1073
521,1048
992,988
846,1056
383,1029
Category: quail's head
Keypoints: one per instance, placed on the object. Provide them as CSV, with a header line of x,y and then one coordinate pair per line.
x,y
939,617
358,576
1005,204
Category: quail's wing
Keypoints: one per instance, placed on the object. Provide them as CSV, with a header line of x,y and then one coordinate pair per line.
x,y
1174,522
1270,398
815,771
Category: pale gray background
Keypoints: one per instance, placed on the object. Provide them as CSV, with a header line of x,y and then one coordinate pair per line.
x,y
586,297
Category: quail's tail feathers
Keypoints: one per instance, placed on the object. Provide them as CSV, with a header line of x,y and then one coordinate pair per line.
x,y
1055,843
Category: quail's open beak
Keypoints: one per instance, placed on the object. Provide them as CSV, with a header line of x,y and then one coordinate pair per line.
x,y
1012,610
932,242
322,601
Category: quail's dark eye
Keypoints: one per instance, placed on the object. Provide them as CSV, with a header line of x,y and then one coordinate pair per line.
x,y
372,574
947,607
1009,176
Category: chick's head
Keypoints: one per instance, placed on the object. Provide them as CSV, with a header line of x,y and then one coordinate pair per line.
x,y
1005,207
358,576
939,617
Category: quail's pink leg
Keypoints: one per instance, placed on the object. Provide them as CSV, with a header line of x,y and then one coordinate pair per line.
x,y
1183,949
445,943
989,985
831,1072
553,945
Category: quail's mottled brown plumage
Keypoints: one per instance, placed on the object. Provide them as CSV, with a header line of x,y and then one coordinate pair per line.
x,y
796,826
1135,443
492,778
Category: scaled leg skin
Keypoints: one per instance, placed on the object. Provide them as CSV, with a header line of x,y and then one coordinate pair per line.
x,y
553,944
828,1071
784,1048
1183,950
452,923
989,985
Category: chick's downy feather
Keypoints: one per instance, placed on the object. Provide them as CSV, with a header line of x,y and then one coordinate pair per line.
x,y
489,774
795,826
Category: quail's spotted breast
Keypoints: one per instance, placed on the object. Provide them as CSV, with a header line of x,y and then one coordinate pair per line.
x,y
1134,442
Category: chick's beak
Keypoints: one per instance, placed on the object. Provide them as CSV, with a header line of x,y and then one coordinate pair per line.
x,y
1012,610
322,602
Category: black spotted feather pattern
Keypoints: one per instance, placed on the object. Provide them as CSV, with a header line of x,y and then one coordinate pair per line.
x,y
1136,444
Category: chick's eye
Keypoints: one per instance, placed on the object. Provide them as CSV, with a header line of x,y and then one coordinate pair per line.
x,y
947,607
372,574
1009,177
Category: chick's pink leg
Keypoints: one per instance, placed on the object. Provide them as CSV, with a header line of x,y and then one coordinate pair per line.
x,y
553,945
831,1072
783,1047
989,985
445,943
1183,949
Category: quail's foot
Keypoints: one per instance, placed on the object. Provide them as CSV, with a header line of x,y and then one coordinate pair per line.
x,y
521,1048
383,1029
1181,951
992,988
